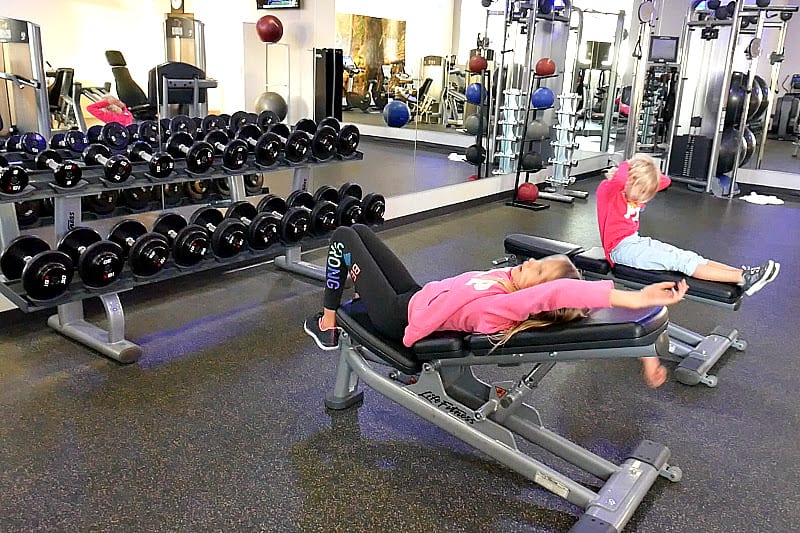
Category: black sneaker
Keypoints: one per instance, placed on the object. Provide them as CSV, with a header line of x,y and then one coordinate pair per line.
x,y
326,339
756,277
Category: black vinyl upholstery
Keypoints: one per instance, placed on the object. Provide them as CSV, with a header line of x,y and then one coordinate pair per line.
x,y
128,90
593,260
175,70
604,329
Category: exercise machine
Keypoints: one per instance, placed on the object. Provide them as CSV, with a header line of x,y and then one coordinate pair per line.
x,y
434,379
695,353
786,122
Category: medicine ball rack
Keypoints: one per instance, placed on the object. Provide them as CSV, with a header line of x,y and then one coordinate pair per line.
x,y
70,320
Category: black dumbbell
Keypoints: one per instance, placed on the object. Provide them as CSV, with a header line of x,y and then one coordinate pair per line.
x,y
114,135
189,242
198,191
347,210
13,178
137,198
222,186
296,144
146,131
45,273
373,205
348,136
323,139
99,261
322,214
266,146
159,164
253,184
228,236
172,194
263,229
147,252
180,123
239,119
267,118
199,155
66,174
213,122
28,212
30,143
233,151
72,140
116,168
293,222
102,203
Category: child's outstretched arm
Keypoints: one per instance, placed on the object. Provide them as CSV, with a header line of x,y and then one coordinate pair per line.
x,y
664,293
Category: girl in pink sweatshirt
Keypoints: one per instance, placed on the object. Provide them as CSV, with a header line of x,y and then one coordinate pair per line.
x,y
503,301
111,109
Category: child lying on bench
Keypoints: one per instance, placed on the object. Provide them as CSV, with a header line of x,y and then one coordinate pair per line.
x,y
505,301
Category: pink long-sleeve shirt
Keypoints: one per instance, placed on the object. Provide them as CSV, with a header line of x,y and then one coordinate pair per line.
x,y
474,303
98,109
618,218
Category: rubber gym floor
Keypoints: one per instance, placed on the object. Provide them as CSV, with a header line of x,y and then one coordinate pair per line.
x,y
221,425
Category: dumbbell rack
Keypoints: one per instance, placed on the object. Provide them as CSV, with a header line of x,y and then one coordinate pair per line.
x,y
70,319
564,147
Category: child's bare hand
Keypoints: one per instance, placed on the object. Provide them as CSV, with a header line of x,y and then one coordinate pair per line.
x,y
664,293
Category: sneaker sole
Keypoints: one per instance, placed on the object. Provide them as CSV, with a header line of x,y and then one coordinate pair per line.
x,y
758,285
317,341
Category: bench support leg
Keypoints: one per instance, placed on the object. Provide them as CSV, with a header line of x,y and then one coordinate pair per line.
x,y
345,391
699,353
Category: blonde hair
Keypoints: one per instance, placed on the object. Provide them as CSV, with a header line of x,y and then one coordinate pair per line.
x,y
642,171
543,319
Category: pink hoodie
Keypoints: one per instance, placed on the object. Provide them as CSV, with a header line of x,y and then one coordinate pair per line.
x,y
474,303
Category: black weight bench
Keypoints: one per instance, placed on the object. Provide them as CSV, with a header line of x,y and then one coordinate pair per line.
x,y
434,380
694,353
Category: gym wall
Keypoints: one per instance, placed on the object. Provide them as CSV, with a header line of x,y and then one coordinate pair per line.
x,y
77,33
428,24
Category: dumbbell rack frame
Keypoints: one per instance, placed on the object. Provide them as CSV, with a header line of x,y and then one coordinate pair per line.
x,y
70,319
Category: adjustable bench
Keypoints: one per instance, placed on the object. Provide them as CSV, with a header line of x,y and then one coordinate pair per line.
x,y
694,353
434,380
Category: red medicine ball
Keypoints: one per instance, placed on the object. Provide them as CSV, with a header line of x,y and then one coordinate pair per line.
x,y
528,192
269,29
477,64
545,67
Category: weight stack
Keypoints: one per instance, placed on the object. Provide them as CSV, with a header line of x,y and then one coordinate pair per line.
x,y
564,144
328,80
691,156
510,135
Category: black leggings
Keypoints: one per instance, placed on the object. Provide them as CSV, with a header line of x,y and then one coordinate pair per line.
x,y
381,279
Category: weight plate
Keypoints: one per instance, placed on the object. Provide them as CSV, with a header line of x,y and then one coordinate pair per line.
x,y
333,122
200,157
137,198
205,216
149,132
229,238
298,146
235,155
323,144
351,189
272,203
242,210
13,179
75,141
215,137
253,184
28,212
13,260
294,225
349,139
373,208
148,254
300,198
268,149
198,190
323,218
222,186
76,241
212,122
114,135
264,231
326,193
348,212
101,204
267,118
124,231
307,125
32,142
237,120
281,130
169,222
181,123
100,264
172,194
191,245
47,275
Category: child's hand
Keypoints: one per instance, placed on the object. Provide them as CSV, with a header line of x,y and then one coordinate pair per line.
x,y
664,293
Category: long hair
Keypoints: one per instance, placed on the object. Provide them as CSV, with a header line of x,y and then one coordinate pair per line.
x,y
642,171
545,318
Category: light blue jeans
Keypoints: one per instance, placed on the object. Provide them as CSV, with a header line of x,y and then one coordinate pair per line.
x,y
649,254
